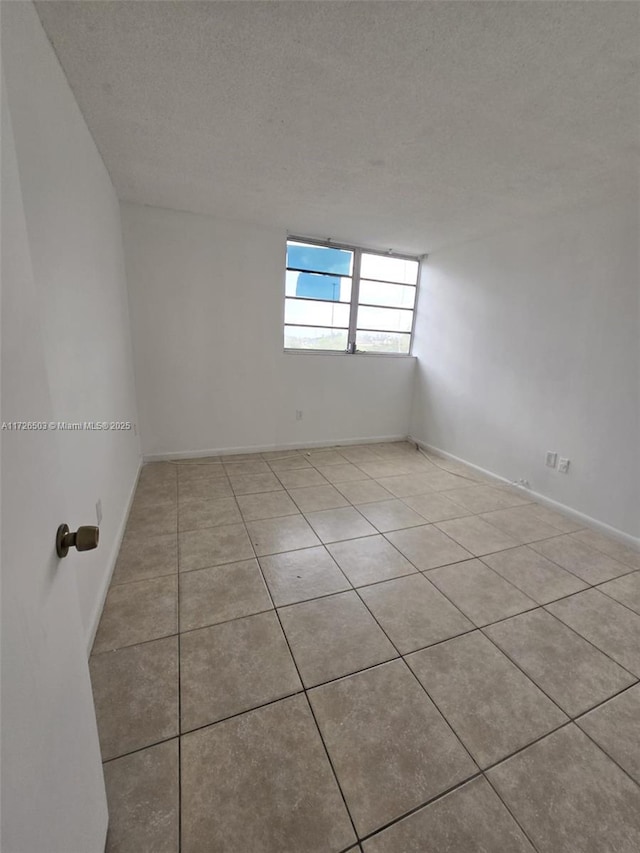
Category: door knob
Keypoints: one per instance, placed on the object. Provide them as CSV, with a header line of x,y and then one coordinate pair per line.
x,y
84,539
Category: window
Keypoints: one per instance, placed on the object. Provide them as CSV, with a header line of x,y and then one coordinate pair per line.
x,y
343,298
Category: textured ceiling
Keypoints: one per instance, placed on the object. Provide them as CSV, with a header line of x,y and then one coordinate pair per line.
x,y
405,125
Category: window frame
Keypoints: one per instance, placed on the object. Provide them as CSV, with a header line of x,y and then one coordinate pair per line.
x,y
354,302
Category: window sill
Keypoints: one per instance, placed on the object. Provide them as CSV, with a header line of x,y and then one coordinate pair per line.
x,y
347,354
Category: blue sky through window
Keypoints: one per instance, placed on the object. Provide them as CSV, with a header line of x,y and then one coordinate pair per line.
x,y
318,286
321,259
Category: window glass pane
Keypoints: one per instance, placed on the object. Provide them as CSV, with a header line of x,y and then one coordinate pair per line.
x,y
383,293
393,319
299,337
389,269
311,285
383,342
313,313
319,258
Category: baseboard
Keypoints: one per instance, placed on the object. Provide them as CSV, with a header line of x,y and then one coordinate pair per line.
x,y
113,556
576,515
268,448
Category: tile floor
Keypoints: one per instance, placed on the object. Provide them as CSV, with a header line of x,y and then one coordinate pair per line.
x,y
365,648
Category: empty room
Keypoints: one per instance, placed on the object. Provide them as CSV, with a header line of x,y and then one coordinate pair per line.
x,y
320,426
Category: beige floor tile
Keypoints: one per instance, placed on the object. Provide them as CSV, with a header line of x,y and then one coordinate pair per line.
x,y
533,574
189,473
416,464
143,557
334,636
324,458
521,524
384,468
557,519
261,782
325,448
476,535
615,727
390,515
587,563
479,498
215,460
204,489
427,547
137,612
213,546
251,484
199,514
266,505
275,455
334,525
413,613
406,484
342,473
364,491
222,593
275,535
155,492
283,453
152,519
135,692
389,746
300,575
471,818
435,506
312,498
440,481
368,560
569,797
289,463
397,447
253,466
157,472
482,594
626,590
250,782
233,667
143,798
570,670
611,547
492,707
299,477
608,625
230,458
356,455
464,471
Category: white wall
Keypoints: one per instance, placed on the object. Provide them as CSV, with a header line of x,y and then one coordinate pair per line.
x,y
528,342
75,243
207,309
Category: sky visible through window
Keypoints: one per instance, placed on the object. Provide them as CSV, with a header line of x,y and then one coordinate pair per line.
x,y
318,299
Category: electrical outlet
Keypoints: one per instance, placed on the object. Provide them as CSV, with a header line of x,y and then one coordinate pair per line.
x,y
298,414
551,459
99,510
563,465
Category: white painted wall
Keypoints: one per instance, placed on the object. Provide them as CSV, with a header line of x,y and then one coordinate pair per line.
x,y
207,310
529,342
75,243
